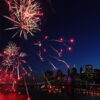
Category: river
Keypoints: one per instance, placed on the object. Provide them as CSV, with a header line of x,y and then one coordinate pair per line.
x,y
43,96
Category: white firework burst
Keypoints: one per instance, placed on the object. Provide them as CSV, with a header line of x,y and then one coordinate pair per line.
x,y
11,49
25,15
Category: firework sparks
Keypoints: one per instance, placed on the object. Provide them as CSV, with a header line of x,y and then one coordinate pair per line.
x,y
8,77
48,49
69,48
11,49
72,40
25,16
13,60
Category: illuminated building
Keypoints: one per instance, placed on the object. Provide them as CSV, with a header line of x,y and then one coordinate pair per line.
x,y
89,68
59,75
89,73
81,70
75,76
74,70
97,76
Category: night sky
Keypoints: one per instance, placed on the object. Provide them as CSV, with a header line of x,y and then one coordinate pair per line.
x,y
79,19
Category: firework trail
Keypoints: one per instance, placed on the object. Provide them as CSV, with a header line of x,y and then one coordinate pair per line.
x,y
26,89
25,16
48,49
54,67
62,61
47,81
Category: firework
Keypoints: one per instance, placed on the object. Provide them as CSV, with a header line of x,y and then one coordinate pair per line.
x,y
13,60
69,48
72,40
14,67
11,49
52,49
7,77
25,16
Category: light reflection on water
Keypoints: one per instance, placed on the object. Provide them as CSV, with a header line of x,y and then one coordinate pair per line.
x,y
13,96
41,96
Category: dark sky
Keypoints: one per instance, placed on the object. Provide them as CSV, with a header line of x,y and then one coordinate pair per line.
x,y
79,19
